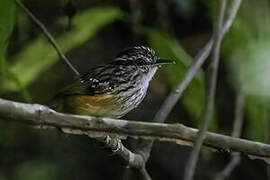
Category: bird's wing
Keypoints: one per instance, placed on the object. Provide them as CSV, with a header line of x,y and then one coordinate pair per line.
x,y
93,83
97,81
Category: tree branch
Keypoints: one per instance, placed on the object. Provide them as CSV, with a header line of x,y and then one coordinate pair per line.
x,y
210,97
48,36
42,116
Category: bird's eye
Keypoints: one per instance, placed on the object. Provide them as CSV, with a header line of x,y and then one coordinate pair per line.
x,y
140,62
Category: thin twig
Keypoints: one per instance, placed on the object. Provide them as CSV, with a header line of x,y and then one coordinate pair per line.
x,y
200,58
44,117
233,7
229,168
145,174
174,96
238,120
49,36
210,97
237,130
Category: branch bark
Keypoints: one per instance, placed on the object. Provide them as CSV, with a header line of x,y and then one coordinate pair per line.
x,y
44,117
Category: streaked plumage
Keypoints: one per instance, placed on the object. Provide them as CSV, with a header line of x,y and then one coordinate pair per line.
x,y
111,90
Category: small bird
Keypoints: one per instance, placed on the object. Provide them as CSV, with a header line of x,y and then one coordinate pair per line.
x,y
113,89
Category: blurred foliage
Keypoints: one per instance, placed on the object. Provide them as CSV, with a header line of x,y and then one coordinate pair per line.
x,y
246,49
7,14
7,18
39,55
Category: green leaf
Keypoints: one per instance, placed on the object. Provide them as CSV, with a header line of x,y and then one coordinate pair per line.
x,y
7,14
168,48
39,55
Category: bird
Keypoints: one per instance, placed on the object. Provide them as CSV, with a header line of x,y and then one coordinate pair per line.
x,y
113,89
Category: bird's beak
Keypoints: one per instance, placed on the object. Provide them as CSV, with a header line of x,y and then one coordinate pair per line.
x,y
161,62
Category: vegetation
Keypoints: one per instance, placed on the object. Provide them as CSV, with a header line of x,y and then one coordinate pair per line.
x,y
93,32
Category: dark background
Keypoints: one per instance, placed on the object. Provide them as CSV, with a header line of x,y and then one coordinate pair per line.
x,y
177,30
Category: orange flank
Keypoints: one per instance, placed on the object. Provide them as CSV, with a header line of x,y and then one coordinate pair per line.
x,y
97,105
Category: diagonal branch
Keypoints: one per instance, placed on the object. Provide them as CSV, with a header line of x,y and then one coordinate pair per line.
x,y
233,7
210,97
239,107
43,117
176,94
48,36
